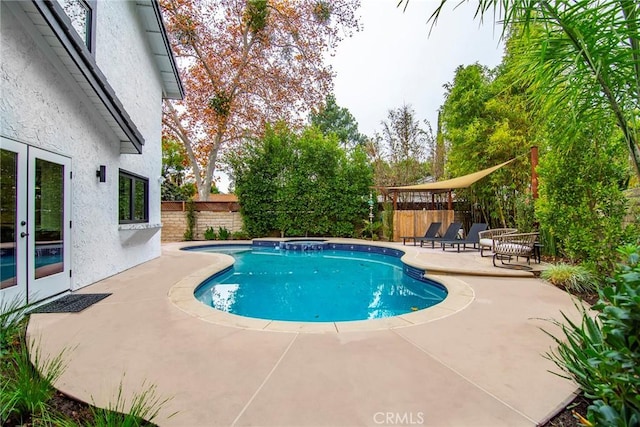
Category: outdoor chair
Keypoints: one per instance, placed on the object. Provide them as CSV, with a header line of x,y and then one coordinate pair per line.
x,y
432,231
450,234
514,245
471,238
488,237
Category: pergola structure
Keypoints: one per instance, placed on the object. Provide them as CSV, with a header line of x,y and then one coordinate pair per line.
x,y
444,186
415,222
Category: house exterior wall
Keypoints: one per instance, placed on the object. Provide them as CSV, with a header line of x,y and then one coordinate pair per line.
x,y
41,106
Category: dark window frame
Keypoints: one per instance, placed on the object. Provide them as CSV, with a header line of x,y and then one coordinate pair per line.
x,y
133,178
90,42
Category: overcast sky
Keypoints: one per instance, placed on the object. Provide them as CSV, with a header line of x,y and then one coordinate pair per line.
x,y
394,59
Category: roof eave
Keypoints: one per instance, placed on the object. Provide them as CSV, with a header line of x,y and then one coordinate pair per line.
x,y
172,87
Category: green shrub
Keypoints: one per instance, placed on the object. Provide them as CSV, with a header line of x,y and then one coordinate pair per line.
x,y
574,278
300,184
371,229
240,235
581,201
523,207
548,240
190,215
387,221
602,355
223,233
210,234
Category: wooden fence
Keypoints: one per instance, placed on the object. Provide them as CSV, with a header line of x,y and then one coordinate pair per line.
x,y
201,206
415,223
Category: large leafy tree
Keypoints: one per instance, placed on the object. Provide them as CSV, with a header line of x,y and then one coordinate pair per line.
x,y
400,152
486,121
175,166
330,118
438,152
587,55
301,184
174,161
246,63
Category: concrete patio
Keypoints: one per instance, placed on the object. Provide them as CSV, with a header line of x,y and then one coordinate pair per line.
x,y
479,363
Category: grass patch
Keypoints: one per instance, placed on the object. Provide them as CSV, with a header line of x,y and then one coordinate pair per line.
x,y
28,386
142,410
574,278
13,324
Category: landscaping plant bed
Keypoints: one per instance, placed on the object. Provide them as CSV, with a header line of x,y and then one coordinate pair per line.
x,y
568,416
27,395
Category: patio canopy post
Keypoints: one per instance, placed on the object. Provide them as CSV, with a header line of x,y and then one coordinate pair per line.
x,y
534,174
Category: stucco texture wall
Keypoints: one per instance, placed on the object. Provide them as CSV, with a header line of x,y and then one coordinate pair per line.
x,y
41,106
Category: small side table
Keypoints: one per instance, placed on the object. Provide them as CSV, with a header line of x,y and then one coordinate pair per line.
x,y
537,249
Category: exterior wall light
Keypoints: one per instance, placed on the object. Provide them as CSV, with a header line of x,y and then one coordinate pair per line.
x,y
102,173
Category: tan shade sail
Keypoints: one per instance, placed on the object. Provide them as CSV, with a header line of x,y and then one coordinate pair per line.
x,y
451,184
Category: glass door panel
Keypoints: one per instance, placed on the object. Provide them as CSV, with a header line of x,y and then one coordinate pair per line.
x,y
48,269
49,219
35,209
13,230
8,224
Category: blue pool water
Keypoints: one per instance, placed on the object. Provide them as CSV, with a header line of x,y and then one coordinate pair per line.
x,y
315,286
8,264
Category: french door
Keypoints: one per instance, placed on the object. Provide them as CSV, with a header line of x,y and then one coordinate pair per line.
x,y
35,223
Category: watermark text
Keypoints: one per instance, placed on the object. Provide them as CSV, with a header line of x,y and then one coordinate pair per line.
x,y
398,418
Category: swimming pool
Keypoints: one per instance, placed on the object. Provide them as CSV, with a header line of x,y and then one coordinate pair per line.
x,y
330,285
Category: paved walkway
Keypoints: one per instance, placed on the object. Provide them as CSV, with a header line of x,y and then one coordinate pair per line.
x,y
480,365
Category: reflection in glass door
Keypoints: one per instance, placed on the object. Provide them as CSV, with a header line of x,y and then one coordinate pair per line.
x,y
34,223
13,242
49,217
49,213
8,200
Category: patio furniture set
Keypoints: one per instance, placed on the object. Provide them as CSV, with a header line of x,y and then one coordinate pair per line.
x,y
504,243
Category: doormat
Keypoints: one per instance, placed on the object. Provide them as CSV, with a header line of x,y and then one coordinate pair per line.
x,y
70,303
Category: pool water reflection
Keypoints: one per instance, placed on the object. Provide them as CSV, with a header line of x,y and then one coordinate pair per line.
x,y
318,286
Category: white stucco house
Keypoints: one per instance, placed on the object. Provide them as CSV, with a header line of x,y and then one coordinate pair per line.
x,y
82,84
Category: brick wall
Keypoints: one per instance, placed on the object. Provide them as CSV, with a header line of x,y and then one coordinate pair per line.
x,y
174,224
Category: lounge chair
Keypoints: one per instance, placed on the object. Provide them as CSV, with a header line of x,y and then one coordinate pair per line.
x,y
432,231
472,237
450,234
487,237
514,245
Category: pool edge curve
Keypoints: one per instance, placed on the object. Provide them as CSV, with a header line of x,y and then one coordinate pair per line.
x,y
459,296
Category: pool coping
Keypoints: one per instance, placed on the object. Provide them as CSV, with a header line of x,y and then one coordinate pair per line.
x,y
459,296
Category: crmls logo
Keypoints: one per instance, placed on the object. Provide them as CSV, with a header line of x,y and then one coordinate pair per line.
x,y
398,418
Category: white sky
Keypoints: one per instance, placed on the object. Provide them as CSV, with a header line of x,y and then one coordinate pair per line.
x,y
394,60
